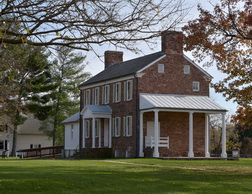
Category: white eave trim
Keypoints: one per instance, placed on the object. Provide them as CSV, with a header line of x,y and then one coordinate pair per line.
x,y
197,66
153,62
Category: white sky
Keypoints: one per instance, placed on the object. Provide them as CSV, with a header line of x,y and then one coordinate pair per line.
x,y
96,65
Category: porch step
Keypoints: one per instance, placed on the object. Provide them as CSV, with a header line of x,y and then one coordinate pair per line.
x,y
94,153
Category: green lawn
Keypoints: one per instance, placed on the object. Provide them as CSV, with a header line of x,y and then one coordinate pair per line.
x,y
100,176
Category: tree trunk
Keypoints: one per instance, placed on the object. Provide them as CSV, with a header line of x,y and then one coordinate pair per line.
x,y
14,141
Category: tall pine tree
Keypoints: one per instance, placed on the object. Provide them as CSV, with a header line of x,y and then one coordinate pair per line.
x,y
68,72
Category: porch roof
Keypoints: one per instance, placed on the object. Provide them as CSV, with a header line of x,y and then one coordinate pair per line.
x,y
183,103
102,111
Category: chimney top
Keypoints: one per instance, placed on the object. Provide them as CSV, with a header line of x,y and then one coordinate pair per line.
x,y
112,57
172,42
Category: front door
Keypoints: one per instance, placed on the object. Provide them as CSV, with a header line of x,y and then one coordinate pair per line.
x,y
106,132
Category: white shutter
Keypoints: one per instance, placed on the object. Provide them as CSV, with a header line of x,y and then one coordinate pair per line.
x,y
130,125
125,90
103,94
114,92
113,127
131,90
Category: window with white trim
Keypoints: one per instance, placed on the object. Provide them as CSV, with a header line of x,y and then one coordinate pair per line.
x,y
97,127
87,97
117,126
106,92
160,68
186,69
127,126
96,96
196,86
117,92
87,128
72,131
128,90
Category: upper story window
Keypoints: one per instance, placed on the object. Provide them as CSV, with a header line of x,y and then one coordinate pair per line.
x,y
72,131
87,128
186,69
117,126
160,68
128,90
106,92
87,97
196,86
117,92
96,96
127,126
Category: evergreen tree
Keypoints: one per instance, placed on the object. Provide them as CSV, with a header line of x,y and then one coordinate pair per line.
x,y
68,73
26,84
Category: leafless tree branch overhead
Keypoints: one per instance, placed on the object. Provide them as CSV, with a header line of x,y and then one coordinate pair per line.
x,y
81,23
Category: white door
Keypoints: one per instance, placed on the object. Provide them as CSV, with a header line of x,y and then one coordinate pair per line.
x,y
150,128
106,132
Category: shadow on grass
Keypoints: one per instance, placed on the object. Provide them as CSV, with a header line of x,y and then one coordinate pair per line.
x,y
98,177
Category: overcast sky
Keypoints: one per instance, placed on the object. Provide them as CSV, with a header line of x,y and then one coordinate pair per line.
x,y
96,65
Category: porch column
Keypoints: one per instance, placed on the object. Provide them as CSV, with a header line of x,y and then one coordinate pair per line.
x,y
156,153
224,153
99,130
207,154
190,153
141,154
110,132
83,136
93,132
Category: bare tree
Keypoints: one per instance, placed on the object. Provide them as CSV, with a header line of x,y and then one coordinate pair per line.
x,y
80,24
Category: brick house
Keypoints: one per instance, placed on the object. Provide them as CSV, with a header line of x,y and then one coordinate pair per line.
x,y
157,105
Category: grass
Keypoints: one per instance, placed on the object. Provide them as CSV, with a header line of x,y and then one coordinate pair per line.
x,y
100,176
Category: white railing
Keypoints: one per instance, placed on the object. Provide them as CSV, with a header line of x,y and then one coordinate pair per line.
x,y
162,141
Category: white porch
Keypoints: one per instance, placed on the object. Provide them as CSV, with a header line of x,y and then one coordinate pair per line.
x,y
190,105
95,113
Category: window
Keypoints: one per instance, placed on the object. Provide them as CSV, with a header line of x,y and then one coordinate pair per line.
x,y
186,69
196,86
106,94
87,97
1,145
127,126
160,68
128,90
117,92
97,127
96,96
117,126
87,128
72,131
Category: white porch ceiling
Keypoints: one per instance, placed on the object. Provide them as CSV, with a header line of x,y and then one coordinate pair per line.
x,y
179,102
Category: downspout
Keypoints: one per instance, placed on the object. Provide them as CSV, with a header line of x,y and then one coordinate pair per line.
x,y
137,117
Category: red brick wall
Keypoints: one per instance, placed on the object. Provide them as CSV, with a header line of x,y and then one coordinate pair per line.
x,y
173,81
176,126
120,109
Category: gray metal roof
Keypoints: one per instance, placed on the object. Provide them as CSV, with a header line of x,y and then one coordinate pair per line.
x,y
72,119
181,102
123,69
99,108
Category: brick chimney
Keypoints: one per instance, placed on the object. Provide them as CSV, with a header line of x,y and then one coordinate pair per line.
x,y
112,57
172,42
